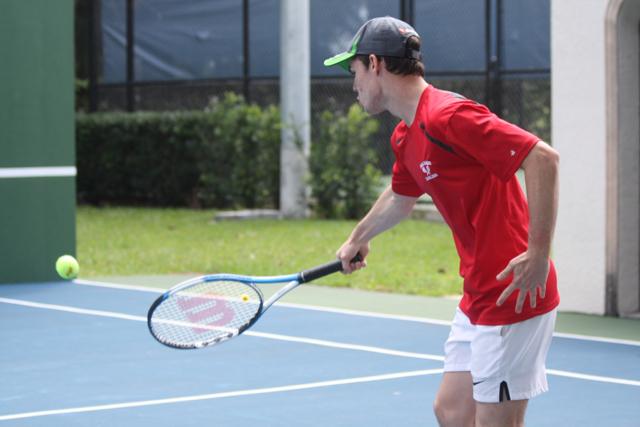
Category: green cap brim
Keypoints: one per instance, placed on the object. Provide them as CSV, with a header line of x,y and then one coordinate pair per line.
x,y
341,59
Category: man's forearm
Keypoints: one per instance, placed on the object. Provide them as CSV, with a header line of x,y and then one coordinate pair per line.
x,y
541,177
387,211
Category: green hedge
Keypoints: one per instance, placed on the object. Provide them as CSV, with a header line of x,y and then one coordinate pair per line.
x,y
224,157
343,178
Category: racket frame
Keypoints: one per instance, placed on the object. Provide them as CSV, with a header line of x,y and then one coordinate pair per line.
x,y
251,281
292,280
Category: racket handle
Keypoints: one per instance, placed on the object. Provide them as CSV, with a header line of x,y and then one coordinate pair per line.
x,y
324,270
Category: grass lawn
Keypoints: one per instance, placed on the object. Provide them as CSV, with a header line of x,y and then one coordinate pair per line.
x,y
415,257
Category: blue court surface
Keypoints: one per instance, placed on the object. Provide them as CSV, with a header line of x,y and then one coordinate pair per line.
x,y
81,355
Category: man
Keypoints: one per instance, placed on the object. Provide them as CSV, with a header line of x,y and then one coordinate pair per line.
x,y
465,158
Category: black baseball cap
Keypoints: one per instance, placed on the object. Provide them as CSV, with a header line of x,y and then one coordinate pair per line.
x,y
384,36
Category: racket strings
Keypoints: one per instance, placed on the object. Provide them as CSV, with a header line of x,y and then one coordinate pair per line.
x,y
205,313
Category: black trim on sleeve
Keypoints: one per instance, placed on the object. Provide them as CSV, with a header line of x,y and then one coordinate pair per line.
x,y
439,143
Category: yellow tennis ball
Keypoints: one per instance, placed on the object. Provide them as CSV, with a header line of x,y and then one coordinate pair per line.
x,y
67,267
245,297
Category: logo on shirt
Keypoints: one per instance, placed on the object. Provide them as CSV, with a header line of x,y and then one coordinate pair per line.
x,y
425,167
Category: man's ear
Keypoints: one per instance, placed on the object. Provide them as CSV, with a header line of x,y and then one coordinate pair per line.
x,y
375,64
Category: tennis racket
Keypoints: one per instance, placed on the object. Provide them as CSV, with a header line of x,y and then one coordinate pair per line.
x,y
211,309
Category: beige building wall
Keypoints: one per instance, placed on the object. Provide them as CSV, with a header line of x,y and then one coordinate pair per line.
x,y
578,133
596,109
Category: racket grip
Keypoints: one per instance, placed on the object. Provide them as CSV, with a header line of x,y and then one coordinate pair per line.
x,y
324,270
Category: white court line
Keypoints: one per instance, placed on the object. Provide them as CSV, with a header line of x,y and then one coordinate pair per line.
x,y
38,172
365,313
302,340
293,387
324,343
119,286
344,346
70,309
596,378
596,339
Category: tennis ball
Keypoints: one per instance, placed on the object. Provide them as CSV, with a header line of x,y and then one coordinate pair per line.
x,y
67,267
245,297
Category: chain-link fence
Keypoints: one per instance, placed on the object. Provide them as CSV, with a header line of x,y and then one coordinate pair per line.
x,y
492,51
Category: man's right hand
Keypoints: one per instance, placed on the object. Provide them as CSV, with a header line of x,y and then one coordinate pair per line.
x,y
348,251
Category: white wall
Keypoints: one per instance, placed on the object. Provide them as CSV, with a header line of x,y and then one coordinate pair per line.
x,y
578,133
627,99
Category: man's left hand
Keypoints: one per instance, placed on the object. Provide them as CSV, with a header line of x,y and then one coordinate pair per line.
x,y
529,277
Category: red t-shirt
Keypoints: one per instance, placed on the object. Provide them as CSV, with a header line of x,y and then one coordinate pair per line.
x,y
465,158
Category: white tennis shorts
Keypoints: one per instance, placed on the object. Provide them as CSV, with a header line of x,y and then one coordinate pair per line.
x,y
506,362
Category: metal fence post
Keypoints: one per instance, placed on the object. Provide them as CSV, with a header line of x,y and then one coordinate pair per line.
x,y
93,67
493,76
497,64
487,52
245,50
407,11
131,105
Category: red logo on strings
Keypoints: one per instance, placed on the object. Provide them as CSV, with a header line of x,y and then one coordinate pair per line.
x,y
216,309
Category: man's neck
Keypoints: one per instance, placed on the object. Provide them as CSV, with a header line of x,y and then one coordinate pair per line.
x,y
403,96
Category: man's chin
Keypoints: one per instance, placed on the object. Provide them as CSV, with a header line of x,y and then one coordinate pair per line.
x,y
371,110
374,112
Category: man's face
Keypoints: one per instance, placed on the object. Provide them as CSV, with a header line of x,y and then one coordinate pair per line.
x,y
366,83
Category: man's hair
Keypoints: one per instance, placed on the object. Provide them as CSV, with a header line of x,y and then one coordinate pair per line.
x,y
400,66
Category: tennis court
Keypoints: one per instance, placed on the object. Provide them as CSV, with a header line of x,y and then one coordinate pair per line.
x,y
79,354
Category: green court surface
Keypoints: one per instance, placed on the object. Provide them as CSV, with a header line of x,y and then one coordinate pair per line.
x,y
440,309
